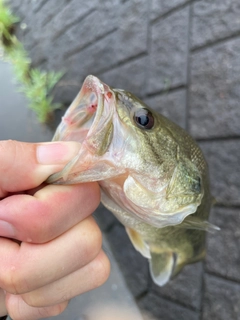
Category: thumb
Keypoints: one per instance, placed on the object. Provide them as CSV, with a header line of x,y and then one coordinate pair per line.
x,y
25,166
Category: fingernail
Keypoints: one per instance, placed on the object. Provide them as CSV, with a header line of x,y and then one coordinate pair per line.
x,y
57,152
6,229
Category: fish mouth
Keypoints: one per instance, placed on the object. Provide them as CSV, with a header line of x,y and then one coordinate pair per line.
x,y
89,121
89,117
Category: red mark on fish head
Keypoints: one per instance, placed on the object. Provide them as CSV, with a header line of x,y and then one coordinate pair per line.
x,y
109,94
67,120
92,108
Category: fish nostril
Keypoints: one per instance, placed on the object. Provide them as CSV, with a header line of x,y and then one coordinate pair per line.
x,y
197,185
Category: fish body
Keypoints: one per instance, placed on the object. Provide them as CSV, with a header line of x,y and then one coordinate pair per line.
x,y
152,174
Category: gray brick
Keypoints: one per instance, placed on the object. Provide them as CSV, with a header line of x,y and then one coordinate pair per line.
x,y
14,5
67,88
24,12
95,58
37,5
90,60
223,158
101,54
36,38
133,27
38,53
92,27
223,247
109,51
164,309
19,8
161,7
133,265
73,12
168,54
171,104
49,10
185,287
53,19
110,8
53,53
214,20
214,91
221,299
119,77
41,20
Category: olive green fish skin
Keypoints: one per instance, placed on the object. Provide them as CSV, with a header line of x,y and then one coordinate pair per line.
x,y
153,176
170,142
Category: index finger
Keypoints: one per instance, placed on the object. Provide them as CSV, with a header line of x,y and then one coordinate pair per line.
x,y
25,166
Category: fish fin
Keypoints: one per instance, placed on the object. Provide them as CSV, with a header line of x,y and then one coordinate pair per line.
x,y
161,267
138,242
192,222
181,261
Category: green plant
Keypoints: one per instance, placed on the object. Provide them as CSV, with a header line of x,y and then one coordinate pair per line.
x,y
37,85
18,57
37,91
7,21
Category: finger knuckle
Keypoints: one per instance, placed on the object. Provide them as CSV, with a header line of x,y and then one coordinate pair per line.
x,y
14,307
87,241
14,281
102,269
54,310
95,238
30,299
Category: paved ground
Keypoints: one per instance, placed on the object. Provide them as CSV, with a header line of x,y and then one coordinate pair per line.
x,y
18,122
183,58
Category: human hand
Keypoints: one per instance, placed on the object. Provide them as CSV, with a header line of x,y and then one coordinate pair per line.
x,y
58,254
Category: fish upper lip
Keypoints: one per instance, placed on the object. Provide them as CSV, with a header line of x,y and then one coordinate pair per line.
x,y
102,121
93,84
92,108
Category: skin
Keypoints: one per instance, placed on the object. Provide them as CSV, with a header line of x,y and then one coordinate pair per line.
x,y
50,246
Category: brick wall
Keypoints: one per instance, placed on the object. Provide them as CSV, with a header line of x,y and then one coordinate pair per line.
x,y
183,58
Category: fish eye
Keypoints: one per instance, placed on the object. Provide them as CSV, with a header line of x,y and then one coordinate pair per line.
x,y
144,118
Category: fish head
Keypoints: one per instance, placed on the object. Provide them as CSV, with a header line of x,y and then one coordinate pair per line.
x,y
139,157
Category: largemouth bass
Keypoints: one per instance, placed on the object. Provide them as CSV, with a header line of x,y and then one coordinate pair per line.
x,y
152,174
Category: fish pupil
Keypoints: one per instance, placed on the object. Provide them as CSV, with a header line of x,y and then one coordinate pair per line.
x,y
144,118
